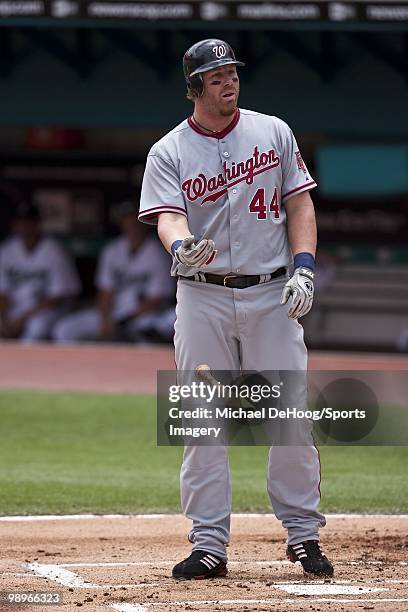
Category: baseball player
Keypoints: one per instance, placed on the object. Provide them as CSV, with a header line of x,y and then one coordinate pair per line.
x,y
37,280
133,284
229,192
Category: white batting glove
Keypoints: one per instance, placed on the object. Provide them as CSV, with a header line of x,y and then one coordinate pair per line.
x,y
196,255
300,288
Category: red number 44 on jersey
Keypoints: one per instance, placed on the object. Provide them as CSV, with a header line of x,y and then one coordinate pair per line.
x,y
258,206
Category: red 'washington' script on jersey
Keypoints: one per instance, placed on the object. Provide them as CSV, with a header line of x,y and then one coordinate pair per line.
x,y
217,185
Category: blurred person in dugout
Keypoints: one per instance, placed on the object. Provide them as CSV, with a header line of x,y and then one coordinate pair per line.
x,y
134,289
37,279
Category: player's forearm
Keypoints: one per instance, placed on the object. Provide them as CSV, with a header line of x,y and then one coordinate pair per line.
x,y
301,223
171,227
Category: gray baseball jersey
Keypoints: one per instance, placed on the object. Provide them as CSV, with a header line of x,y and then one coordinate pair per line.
x,y
232,191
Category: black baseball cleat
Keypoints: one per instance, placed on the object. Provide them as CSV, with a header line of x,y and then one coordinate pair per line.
x,y
200,565
314,562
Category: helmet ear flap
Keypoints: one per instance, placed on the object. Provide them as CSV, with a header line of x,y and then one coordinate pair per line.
x,y
195,83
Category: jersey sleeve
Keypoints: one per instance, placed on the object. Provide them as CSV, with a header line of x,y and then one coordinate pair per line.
x,y
63,280
161,190
295,176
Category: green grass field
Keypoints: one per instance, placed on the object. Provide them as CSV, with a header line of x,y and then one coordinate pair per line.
x,y
82,452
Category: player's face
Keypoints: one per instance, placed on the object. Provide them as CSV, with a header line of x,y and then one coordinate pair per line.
x,y
221,90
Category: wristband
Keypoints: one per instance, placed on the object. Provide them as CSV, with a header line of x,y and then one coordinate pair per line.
x,y
304,260
175,246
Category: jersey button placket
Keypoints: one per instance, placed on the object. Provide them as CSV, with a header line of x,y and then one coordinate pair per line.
x,y
235,228
234,244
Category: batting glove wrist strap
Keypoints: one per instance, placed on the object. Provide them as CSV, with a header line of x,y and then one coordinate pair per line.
x,y
299,289
175,246
304,260
194,254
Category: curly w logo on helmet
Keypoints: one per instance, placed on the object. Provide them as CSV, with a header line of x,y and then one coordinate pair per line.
x,y
220,51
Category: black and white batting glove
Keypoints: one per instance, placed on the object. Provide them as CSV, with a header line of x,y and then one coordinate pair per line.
x,y
194,254
300,290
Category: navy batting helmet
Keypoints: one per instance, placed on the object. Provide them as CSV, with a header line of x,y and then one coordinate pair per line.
x,y
203,56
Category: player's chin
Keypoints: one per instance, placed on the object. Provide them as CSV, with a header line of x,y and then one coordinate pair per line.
x,y
228,107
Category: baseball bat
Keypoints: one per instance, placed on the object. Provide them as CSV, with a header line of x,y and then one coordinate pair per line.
x,y
205,374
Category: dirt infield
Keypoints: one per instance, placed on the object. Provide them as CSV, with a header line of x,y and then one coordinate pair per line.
x,y
125,564
129,369
102,368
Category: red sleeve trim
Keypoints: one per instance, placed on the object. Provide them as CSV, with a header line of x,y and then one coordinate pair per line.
x,y
304,187
153,212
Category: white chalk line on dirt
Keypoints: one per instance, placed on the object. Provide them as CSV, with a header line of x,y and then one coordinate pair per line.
x,y
67,578
231,602
60,575
76,517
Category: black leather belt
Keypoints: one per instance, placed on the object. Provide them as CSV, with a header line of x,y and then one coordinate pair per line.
x,y
234,281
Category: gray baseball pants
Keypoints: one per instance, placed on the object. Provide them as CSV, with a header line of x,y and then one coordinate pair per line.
x,y
248,329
